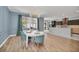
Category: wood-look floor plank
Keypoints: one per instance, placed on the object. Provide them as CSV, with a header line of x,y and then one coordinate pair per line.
x,y
51,44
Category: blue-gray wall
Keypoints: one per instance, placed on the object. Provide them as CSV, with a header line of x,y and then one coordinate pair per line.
x,y
13,22
40,22
8,23
4,18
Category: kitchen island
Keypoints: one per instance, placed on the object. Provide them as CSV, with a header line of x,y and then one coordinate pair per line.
x,y
63,32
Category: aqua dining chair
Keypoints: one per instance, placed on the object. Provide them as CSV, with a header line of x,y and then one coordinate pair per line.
x,y
23,39
39,39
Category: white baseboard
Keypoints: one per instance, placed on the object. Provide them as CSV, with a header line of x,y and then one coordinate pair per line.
x,y
6,39
12,35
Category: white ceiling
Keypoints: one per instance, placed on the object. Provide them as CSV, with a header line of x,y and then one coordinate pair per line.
x,y
48,11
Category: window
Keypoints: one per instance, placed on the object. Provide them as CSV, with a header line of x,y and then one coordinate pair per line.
x,y
28,22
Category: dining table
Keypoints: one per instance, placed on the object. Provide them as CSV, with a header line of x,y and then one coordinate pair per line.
x,y
32,34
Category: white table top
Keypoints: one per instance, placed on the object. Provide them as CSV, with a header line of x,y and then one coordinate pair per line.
x,y
33,33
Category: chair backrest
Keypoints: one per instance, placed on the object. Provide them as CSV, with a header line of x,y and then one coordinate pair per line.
x,y
39,39
23,36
